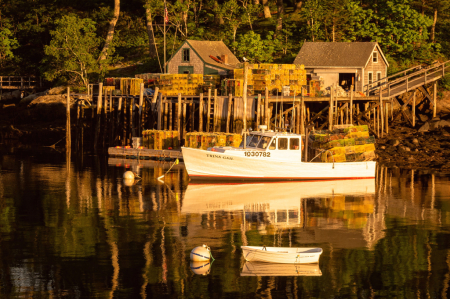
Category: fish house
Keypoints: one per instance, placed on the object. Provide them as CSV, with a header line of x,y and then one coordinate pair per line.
x,y
202,57
345,64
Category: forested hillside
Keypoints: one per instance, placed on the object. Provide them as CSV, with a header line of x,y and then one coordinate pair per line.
x,y
80,41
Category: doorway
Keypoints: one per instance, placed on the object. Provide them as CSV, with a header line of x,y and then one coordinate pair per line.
x,y
346,80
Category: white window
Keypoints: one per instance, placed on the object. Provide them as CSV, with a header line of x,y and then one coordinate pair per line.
x,y
379,77
375,57
370,77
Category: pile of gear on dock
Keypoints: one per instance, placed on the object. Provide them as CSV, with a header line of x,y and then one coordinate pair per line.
x,y
185,84
272,76
349,144
205,140
160,139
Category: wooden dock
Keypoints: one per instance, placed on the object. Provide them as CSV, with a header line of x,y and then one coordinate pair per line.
x,y
109,120
134,163
145,153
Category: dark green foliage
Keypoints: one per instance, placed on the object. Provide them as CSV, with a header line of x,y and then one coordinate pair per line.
x,y
402,27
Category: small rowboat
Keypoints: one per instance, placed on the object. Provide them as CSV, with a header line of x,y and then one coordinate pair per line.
x,y
282,255
270,269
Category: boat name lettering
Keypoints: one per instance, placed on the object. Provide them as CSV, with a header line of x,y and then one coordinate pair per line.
x,y
218,156
257,154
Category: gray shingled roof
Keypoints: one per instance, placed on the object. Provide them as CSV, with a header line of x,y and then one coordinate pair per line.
x,y
214,48
322,54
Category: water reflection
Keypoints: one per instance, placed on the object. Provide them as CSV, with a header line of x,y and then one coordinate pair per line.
x,y
76,230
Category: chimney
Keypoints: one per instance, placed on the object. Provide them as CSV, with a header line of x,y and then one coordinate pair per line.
x,y
224,58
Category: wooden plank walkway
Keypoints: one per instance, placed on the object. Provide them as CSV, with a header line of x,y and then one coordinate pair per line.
x,y
140,153
414,80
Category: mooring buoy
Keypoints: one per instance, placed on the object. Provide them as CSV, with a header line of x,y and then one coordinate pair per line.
x,y
201,254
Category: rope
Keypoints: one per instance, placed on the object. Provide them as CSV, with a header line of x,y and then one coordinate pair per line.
x,y
174,163
210,254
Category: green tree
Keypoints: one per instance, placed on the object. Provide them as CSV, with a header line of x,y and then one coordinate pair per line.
x,y
256,50
7,44
73,50
312,11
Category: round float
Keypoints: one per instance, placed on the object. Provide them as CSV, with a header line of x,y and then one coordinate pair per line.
x,y
200,254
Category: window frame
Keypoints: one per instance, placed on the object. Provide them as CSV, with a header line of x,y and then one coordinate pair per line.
x,y
183,55
278,144
369,80
298,144
375,57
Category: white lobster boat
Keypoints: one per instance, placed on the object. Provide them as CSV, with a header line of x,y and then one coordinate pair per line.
x,y
281,255
268,156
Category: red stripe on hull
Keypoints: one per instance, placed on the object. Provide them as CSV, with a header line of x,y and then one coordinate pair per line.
x,y
238,178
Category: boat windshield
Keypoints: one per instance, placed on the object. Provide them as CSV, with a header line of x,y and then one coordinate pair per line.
x,y
252,140
264,142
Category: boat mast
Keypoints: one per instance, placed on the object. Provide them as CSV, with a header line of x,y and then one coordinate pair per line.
x,y
244,97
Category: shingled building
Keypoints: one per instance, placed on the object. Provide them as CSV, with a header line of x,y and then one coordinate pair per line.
x,y
202,57
346,64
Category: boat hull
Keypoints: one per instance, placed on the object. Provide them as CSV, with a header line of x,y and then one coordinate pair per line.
x,y
281,255
270,269
209,165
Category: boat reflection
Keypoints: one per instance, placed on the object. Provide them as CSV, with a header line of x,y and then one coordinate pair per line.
x,y
283,202
271,269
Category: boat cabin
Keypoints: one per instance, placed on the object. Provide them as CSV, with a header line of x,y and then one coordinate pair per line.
x,y
278,145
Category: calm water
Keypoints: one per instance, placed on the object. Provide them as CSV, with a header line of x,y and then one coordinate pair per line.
x,y
79,232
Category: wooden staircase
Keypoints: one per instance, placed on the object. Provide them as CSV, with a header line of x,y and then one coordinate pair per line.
x,y
405,82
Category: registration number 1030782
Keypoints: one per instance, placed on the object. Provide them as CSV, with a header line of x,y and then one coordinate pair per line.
x,y
257,154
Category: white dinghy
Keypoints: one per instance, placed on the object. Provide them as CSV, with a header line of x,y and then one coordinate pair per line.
x,y
281,255
271,269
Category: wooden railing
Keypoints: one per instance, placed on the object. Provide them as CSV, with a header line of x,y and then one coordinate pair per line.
x,y
19,82
407,82
368,87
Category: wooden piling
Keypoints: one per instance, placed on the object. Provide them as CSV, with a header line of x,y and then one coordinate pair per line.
x,y
330,111
159,111
111,119
258,111
200,113
119,120
351,105
170,116
387,118
215,118
191,109
208,111
165,113
230,97
381,112
414,109
68,137
179,119
266,109
183,133
133,117
98,116
434,98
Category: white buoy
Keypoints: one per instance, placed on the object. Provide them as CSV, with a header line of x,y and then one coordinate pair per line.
x,y
128,175
201,268
128,182
200,254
